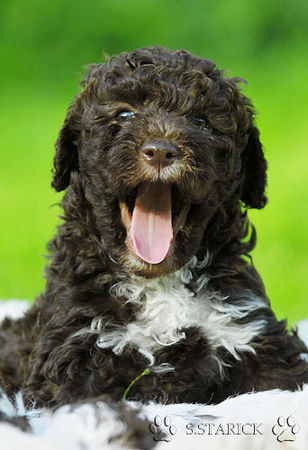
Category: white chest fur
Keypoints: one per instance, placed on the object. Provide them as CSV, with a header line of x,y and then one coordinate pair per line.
x,y
165,307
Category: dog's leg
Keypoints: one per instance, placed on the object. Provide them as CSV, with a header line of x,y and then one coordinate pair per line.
x,y
16,343
279,362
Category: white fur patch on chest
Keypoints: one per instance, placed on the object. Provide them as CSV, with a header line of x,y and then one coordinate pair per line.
x,y
165,307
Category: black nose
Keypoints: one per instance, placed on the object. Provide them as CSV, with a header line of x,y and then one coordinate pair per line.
x,y
160,154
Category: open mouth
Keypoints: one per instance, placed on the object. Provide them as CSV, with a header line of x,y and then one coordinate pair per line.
x,y
152,216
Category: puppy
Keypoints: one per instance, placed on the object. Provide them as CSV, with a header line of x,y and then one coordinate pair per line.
x,y
150,270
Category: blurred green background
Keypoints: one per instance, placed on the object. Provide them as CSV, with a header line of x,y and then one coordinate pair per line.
x,y
44,46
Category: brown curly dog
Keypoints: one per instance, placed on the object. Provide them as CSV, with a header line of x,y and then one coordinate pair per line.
x,y
160,159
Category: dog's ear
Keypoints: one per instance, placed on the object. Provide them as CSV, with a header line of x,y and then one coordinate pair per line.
x,y
254,172
66,158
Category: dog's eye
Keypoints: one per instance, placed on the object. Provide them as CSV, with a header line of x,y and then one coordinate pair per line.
x,y
201,123
124,115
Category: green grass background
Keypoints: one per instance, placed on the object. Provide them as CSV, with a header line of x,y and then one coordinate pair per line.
x,y
43,46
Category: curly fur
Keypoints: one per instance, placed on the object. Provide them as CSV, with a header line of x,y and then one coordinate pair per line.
x,y
200,319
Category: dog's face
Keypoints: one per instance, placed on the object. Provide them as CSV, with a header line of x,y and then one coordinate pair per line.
x,y
160,141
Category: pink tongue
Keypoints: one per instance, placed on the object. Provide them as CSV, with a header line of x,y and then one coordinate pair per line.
x,y
151,227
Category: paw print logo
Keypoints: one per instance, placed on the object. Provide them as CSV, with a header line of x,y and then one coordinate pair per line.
x,y
286,429
162,429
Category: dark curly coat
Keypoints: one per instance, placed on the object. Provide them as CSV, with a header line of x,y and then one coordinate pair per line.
x,y
161,158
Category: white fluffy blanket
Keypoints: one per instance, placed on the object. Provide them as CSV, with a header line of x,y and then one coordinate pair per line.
x,y
266,420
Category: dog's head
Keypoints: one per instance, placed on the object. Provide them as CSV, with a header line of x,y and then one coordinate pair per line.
x,y
159,141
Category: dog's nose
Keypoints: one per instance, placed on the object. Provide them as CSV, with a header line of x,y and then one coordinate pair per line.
x,y
160,154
